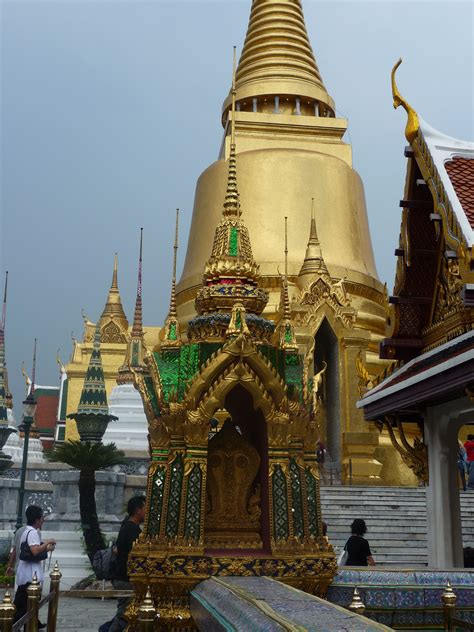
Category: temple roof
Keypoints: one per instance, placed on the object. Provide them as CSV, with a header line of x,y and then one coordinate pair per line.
x,y
454,161
113,309
94,397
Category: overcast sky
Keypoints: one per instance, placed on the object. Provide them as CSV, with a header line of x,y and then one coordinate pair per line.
x,y
111,110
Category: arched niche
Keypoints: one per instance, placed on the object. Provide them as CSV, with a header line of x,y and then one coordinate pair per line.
x,y
237,478
326,352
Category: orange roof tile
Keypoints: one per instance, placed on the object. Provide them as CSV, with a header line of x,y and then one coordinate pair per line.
x,y
461,174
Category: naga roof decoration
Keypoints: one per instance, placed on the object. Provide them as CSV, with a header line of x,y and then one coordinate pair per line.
x,y
113,321
433,294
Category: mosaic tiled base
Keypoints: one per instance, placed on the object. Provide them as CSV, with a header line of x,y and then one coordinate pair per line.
x,y
405,599
260,603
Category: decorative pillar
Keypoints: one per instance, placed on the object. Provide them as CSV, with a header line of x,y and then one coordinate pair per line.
x,y
443,510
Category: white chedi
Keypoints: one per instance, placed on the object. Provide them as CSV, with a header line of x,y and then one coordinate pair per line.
x,y
130,431
14,445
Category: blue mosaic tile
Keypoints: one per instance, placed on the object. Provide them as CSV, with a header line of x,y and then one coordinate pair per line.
x,y
434,618
381,617
408,618
465,597
432,597
409,598
340,595
379,598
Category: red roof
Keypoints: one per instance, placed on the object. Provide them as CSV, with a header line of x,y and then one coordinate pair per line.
x,y
47,409
461,174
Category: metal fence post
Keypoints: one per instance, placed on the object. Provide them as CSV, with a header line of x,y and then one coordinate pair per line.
x,y
7,612
55,577
34,594
146,614
357,605
449,600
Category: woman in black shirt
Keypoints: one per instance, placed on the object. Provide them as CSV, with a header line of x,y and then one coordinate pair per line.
x,y
357,547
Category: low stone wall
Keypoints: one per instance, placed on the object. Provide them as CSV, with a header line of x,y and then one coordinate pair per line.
x,y
405,598
261,603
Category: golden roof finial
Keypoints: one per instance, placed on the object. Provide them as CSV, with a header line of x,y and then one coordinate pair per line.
x,y
231,261
313,261
413,123
231,202
286,331
113,309
172,337
137,329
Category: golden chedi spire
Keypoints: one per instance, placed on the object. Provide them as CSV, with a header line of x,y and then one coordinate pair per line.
x,y
172,335
231,274
314,261
113,322
277,59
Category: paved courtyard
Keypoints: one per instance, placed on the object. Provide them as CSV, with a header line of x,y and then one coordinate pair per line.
x,y
84,615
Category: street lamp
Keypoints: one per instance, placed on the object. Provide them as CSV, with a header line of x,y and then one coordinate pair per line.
x,y
29,409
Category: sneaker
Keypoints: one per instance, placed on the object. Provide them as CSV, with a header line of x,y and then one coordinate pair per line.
x,y
42,626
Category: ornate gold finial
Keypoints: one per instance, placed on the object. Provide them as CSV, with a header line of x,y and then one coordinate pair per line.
x,y
135,356
413,123
172,330
285,329
314,261
231,202
231,273
62,368
356,605
7,608
449,597
113,311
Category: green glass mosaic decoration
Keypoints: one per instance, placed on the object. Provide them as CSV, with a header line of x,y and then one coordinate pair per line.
x,y
174,500
297,500
288,334
152,395
192,523
312,503
156,501
238,321
233,242
135,353
172,332
280,504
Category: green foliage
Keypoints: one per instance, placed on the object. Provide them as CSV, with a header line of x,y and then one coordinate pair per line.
x,y
86,456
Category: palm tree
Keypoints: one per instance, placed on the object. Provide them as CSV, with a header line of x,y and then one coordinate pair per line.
x,y
88,458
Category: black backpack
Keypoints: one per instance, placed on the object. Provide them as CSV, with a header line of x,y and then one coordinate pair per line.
x,y
103,563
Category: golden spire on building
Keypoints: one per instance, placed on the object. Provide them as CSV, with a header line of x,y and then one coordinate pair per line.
x,y
135,348
231,263
277,58
113,310
314,261
285,329
172,336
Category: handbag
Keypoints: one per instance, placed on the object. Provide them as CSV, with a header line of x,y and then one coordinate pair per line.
x,y
343,556
26,554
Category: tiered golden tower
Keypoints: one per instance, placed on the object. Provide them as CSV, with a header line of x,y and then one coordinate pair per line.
x,y
290,150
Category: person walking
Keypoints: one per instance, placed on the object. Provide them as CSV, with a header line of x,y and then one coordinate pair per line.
x,y
30,560
12,564
129,532
469,446
357,547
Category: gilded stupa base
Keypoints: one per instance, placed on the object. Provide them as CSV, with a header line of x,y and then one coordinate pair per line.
x,y
171,576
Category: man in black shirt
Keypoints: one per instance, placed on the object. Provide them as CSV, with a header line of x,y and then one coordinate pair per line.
x,y
129,532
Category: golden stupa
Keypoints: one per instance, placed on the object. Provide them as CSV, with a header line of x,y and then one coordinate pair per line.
x,y
290,151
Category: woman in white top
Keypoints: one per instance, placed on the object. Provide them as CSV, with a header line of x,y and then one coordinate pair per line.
x,y
26,569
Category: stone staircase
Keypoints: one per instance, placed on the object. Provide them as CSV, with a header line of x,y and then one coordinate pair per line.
x,y
395,518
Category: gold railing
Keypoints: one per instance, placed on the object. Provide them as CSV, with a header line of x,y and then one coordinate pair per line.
x,y
451,621
34,604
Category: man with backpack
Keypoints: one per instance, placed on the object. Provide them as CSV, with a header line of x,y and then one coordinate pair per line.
x,y
129,532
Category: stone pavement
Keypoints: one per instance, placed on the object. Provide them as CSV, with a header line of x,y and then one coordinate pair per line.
x,y
84,615
80,615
